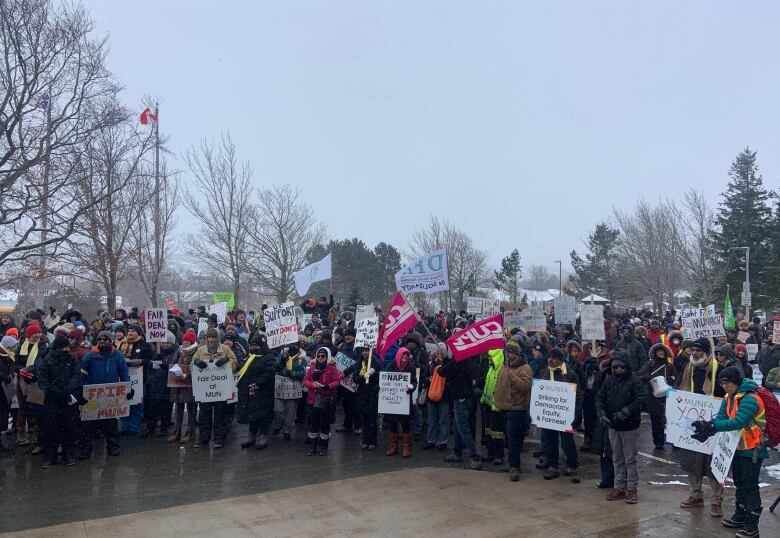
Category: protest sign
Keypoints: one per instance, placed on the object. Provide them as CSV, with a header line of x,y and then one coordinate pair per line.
x,y
477,338
305,320
136,374
310,274
752,351
491,307
743,336
427,274
552,404
364,311
281,325
203,325
512,319
705,326
776,333
725,447
286,388
366,332
220,309
106,400
592,322
155,324
710,310
474,305
565,310
183,379
213,383
393,399
342,363
233,398
226,297
683,409
532,319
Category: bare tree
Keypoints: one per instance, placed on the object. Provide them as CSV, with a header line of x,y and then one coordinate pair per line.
x,y
540,278
223,206
282,235
56,93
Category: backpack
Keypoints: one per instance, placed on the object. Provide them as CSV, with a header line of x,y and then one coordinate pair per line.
x,y
772,416
436,390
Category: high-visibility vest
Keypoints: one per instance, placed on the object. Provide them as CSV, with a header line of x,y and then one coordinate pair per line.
x,y
751,434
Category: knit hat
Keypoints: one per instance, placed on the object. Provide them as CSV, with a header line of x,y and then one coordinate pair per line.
x,y
740,347
170,338
122,329
703,344
731,374
13,331
189,337
135,327
105,334
212,333
117,325
32,329
8,342
78,334
60,342
686,343
513,347
556,353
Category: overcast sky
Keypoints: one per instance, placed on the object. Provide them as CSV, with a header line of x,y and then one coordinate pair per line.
x,y
522,122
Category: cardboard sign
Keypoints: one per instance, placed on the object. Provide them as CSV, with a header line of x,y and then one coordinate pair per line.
x,y
212,384
366,332
725,448
106,400
286,388
364,311
203,325
305,320
226,297
683,409
592,322
532,319
155,324
342,363
393,399
136,374
281,325
565,310
427,274
220,309
474,305
553,404
704,326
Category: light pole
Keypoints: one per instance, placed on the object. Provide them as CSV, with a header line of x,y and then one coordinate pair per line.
x,y
746,285
560,277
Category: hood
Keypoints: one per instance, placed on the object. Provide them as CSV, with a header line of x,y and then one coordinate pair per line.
x,y
622,356
655,348
674,334
747,385
401,351
726,350
413,337
574,343
326,350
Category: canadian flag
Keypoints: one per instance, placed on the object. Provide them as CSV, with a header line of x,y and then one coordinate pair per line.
x,y
147,115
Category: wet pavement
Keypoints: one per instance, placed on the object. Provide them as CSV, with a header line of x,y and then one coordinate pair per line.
x,y
151,475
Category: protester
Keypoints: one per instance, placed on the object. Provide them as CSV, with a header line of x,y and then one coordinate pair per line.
x,y
292,365
492,420
438,408
137,352
157,405
321,380
660,365
256,393
400,424
512,396
213,417
180,390
366,378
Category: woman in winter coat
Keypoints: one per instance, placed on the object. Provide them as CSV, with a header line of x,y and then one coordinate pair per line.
x,y
366,378
157,405
322,379
402,364
660,364
256,382
180,391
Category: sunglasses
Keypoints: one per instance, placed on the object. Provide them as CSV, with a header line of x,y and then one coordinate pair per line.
x,y
718,353
618,367
103,339
321,356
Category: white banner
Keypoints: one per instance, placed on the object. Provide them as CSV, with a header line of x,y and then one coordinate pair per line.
x,y
532,319
553,404
565,310
512,319
725,447
683,409
592,320
366,332
155,324
281,325
310,274
474,305
212,384
286,388
427,274
490,307
393,398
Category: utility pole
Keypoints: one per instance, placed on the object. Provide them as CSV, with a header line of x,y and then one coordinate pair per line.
x,y
157,246
560,277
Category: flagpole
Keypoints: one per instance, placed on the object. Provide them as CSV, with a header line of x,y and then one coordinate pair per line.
x,y
406,299
156,193
44,205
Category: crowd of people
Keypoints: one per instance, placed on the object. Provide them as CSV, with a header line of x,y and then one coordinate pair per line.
x,y
47,358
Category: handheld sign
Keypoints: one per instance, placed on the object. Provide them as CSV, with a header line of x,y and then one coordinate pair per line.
x,y
682,410
281,324
342,363
286,388
592,319
106,400
155,321
136,374
366,332
725,447
565,310
532,319
553,404
393,399
212,384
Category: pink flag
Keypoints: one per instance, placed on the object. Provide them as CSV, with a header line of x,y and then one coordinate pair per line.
x,y
482,336
399,320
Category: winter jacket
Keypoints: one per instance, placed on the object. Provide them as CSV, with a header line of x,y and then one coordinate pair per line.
x,y
772,380
256,389
513,386
747,415
223,352
140,353
367,394
768,358
104,367
626,393
494,366
328,376
410,369
658,367
59,376
459,377
292,367
156,383
636,353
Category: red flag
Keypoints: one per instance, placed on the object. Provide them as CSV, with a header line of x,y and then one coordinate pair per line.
x,y
482,336
399,320
147,115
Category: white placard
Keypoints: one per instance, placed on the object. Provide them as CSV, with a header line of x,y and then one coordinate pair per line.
x,y
366,332
725,447
427,274
393,398
592,320
220,309
136,374
286,388
106,400
155,324
776,333
364,311
474,305
553,404
532,319
491,307
752,351
683,409
703,326
512,319
565,310
281,324
343,362
212,384
203,325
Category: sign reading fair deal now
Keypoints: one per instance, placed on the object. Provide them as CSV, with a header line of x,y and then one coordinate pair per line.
x,y
553,404
213,383
682,410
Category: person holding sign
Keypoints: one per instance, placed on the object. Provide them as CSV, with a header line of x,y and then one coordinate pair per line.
x,y
661,369
366,378
322,379
403,364
742,410
213,416
256,383
292,366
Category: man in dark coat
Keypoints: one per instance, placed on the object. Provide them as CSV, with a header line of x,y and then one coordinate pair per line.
x,y
256,385
635,352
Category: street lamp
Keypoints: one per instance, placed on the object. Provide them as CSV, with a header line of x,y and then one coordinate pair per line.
x,y
746,285
560,277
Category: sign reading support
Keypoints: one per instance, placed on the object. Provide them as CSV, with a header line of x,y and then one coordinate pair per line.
x,y
155,321
682,410
281,324
553,404
106,400
393,398
213,383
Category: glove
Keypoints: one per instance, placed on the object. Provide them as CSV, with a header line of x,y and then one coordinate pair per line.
x,y
621,415
409,389
704,430
221,362
131,394
80,399
200,364
605,422
370,372
28,375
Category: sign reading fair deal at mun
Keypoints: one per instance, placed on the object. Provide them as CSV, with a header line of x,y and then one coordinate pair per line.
x,y
426,274
553,404
155,324
281,325
107,400
682,410
213,383
393,398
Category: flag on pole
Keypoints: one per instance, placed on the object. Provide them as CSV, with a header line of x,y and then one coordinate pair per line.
x,y
399,320
310,274
40,100
728,313
427,274
147,116
477,338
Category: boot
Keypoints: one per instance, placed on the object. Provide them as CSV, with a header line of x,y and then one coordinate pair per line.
x,y
312,446
498,451
323,447
737,520
261,441
249,442
407,450
750,528
186,439
392,450
172,438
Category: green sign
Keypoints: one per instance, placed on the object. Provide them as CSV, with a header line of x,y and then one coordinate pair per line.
x,y
224,297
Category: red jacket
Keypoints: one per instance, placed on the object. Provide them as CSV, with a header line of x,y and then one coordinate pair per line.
x,y
654,335
329,377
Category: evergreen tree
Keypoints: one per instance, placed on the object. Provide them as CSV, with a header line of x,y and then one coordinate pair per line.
x,y
507,279
745,221
596,273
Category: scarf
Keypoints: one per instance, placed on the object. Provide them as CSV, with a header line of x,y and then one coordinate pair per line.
x,y
30,351
126,347
132,339
245,367
562,368
709,385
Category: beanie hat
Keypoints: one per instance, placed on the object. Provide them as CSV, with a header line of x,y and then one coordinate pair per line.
x,y
137,328
556,353
212,333
105,334
60,342
731,374
189,337
513,347
686,343
703,344
77,333
117,325
740,347
8,342
32,329
122,329
170,338
13,331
